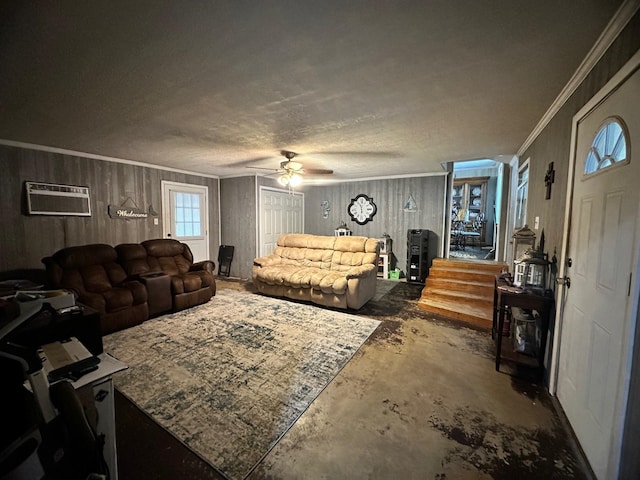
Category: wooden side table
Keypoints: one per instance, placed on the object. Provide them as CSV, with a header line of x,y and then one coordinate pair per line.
x,y
506,296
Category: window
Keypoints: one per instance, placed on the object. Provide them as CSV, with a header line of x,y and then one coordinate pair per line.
x,y
521,195
187,207
609,146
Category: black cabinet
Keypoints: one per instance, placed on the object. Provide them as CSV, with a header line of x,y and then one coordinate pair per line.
x,y
418,261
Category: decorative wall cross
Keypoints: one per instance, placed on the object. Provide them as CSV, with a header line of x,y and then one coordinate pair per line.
x,y
549,178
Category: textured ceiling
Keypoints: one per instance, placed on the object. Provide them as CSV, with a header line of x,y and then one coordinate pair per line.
x,y
366,88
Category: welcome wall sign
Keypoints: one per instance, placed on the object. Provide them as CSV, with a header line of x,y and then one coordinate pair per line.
x,y
126,212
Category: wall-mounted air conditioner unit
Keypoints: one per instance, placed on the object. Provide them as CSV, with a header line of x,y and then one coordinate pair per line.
x,y
54,199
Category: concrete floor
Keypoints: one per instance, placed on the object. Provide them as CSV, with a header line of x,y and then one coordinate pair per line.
x,y
420,400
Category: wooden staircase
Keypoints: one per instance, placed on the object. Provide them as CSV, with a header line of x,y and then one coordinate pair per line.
x,y
461,289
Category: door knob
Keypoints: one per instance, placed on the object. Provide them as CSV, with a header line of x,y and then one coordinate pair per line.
x,y
564,281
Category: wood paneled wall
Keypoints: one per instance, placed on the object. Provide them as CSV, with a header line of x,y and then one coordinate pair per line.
x,y
238,218
239,199
390,197
26,239
553,145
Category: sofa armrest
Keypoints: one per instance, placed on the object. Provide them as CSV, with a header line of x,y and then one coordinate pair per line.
x,y
361,271
266,260
137,289
93,300
206,265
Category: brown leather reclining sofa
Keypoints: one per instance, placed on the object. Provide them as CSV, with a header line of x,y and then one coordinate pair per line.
x,y
130,283
190,283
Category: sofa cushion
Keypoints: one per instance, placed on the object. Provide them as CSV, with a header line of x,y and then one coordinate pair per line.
x,y
353,251
91,268
186,283
305,240
356,244
163,247
133,258
71,258
117,299
177,265
168,255
292,275
95,278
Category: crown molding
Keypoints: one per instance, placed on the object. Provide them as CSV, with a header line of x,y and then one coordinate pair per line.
x,y
624,14
93,156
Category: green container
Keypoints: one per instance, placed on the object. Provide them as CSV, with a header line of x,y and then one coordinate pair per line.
x,y
394,274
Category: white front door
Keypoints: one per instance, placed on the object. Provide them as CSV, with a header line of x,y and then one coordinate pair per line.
x,y
280,212
185,212
603,245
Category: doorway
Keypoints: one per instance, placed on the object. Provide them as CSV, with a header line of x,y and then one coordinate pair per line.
x,y
185,213
474,209
600,257
280,212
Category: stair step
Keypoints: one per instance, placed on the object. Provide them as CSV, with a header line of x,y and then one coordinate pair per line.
x,y
450,283
479,316
461,289
484,265
461,297
461,274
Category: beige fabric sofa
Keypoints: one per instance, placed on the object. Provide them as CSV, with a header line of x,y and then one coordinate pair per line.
x,y
332,271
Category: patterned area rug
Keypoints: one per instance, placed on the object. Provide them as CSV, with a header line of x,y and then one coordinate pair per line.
x,y
230,377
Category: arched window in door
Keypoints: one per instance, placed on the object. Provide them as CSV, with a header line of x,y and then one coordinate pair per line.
x,y
609,146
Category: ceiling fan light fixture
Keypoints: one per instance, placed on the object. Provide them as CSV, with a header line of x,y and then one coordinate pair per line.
x,y
295,179
291,179
283,179
295,166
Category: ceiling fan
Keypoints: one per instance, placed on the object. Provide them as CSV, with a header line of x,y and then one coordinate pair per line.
x,y
291,171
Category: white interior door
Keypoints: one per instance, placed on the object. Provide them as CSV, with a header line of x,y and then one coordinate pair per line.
x,y
280,212
597,322
185,214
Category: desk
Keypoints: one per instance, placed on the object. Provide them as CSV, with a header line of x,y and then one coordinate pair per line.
x,y
47,325
95,389
95,392
505,296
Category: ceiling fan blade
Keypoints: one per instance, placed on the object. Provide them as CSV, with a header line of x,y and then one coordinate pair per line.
x,y
317,171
